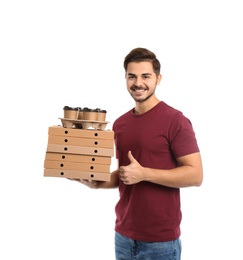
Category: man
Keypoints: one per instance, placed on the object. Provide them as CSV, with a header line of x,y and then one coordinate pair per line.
x,y
158,154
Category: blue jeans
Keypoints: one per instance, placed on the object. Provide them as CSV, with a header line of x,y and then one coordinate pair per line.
x,y
128,249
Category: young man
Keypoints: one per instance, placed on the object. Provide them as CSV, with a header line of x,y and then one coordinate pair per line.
x,y
158,154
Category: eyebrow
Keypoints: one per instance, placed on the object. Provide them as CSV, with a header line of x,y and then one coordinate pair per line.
x,y
143,74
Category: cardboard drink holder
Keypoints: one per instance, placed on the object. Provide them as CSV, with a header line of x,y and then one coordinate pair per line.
x,y
79,152
84,124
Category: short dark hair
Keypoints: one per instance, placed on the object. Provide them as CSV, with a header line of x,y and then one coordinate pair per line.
x,y
142,54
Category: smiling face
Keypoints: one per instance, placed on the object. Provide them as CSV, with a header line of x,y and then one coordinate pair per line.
x,y
141,80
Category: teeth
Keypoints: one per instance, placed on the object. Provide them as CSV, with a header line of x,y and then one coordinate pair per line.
x,y
139,90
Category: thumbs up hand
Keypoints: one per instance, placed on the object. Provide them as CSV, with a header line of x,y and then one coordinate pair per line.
x,y
132,173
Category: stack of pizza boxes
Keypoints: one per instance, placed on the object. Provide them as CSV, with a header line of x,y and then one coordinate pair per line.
x,y
79,149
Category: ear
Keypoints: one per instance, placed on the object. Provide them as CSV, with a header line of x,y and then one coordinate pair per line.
x,y
159,78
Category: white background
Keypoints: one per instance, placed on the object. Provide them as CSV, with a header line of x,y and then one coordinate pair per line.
x,y
57,53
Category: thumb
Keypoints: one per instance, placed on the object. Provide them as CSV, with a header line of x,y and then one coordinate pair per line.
x,y
131,158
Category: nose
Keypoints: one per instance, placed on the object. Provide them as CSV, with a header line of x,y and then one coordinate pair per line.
x,y
138,82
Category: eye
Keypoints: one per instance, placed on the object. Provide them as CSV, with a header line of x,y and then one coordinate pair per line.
x,y
131,76
146,76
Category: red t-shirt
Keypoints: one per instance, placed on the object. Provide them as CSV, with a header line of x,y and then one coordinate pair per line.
x,y
147,211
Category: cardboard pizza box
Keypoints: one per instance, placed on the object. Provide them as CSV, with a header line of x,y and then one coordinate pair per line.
x,y
77,158
86,167
74,149
77,174
81,141
86,133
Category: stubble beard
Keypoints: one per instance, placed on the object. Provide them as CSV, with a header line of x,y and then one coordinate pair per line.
x,y
143,99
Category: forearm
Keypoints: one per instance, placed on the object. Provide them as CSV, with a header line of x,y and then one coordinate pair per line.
x,y
183,176
188,173
113,183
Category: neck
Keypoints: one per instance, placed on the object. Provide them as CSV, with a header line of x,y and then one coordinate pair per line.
x,y
142,107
